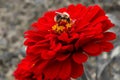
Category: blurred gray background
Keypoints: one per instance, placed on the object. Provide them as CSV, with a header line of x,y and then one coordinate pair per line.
x,y
16,17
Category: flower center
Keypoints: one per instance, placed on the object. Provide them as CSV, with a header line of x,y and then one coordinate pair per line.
x,y
63,22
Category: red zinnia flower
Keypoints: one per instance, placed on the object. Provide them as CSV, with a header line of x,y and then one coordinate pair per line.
x,y
61,41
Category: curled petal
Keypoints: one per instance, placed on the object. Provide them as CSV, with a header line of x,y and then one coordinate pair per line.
x,y
67,48
106,46
92,49
48,54
109,36
80,58
62,56
63,37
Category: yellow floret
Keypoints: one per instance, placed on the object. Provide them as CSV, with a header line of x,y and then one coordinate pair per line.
x,y
58,28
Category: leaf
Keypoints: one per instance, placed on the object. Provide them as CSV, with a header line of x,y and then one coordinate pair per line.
x,y
115,52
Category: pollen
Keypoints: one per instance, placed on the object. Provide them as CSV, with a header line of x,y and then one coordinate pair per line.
x,y
57,28
61,28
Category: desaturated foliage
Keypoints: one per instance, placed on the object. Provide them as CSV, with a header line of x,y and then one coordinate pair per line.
x,y
16,17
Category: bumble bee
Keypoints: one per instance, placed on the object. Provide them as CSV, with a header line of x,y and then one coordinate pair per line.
x,y
62,17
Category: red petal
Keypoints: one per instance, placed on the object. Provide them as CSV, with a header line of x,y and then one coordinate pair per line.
x,y
38,69
58,46
65,70
29,42
92,49
52,70
99,19
73,37
47,54
95,12
106,46
80,57
77,70
107,25
77,44
45,41
39,78
66,48
53,44
70,10
81,41
78,8
34,35
63,37
109,36
94,30
37,48
59,70
62,56
34,24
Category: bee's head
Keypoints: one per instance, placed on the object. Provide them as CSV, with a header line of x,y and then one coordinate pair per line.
x,y
62,17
